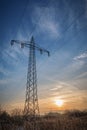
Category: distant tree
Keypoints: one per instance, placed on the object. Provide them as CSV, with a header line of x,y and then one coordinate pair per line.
x,y
76,113
16,112
52,114
17,116
0,109
4,116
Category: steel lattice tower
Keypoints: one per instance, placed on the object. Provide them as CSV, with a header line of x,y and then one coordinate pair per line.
x,y
31,108
31,101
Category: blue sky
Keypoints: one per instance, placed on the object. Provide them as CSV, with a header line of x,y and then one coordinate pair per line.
x,y
57,25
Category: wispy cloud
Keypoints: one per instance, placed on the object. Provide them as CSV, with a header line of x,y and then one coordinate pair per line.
x,y
80,82
53,89
70,71
14,54
81,56
82,75
3,82
68,92
49,27
63,86
9,56
47,23
4,71
74,67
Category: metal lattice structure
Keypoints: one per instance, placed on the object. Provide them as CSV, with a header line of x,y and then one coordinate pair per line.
x,y
31,102
31,108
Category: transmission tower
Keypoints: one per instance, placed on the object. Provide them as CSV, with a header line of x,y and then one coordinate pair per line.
x,y
31,108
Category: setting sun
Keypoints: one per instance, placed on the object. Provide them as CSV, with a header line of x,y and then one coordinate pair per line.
x,y
59,102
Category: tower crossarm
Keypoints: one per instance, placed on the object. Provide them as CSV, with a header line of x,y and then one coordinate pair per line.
x,y
42,50
28,45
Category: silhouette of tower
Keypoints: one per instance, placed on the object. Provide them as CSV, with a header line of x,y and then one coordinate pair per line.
x,y
31,108
31,102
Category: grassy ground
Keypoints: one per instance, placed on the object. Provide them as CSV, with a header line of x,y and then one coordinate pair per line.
x,y
70,120
61,124
50,123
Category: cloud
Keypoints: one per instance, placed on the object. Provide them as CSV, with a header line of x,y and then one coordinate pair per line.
x,y
53,89
3,82
63,86
12,88
4,71
80,81
46,23
23,34
74,68
81,56
9,57
49,27
82,75
71,70
76,65
14,55
68,92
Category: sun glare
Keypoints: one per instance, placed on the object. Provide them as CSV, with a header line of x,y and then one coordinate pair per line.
x,y
59,102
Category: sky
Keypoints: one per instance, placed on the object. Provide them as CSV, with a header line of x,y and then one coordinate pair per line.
x,y
59,26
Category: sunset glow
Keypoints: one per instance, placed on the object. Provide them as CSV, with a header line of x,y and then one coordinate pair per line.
x,y
59,102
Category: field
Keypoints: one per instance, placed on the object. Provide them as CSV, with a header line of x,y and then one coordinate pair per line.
x,y
67,121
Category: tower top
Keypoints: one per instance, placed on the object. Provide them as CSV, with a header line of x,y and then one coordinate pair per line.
x,y
32,40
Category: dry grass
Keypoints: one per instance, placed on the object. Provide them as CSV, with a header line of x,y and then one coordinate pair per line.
x,y
51,124
62,122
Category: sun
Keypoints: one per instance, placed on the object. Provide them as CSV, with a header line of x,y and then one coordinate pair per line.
x,y
59,102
